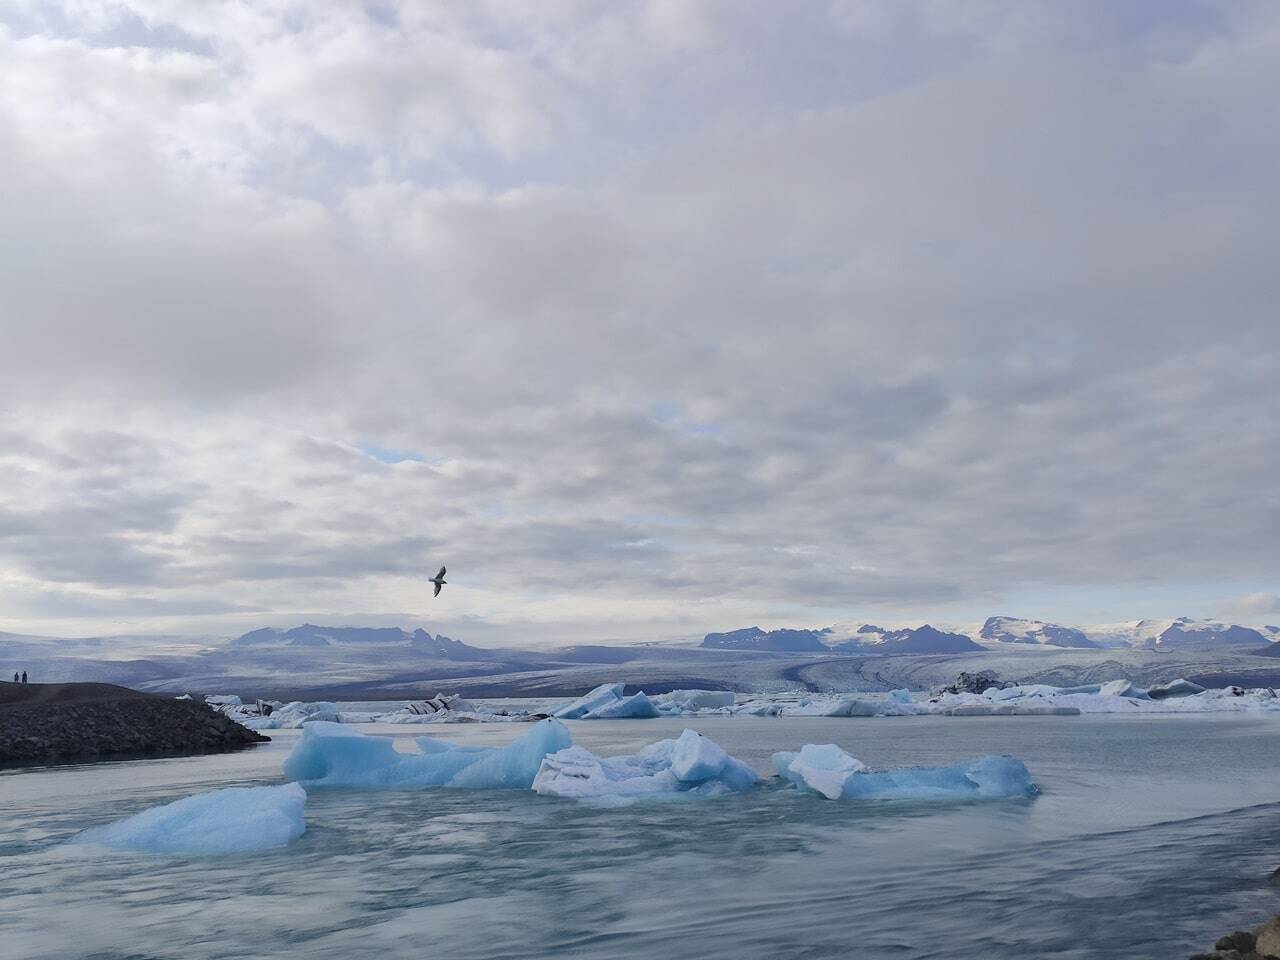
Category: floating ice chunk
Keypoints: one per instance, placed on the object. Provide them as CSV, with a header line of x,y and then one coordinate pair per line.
x,y
691,765
235,820
823,767
635,707
331,755
851,707
695,757
1174,688
515,766
682,700
828,770
1121,688
604,694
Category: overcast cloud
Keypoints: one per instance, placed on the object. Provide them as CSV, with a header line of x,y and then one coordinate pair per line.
x,y
648,318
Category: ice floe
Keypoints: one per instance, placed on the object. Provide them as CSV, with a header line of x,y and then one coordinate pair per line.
x,y
829,771
234,820
334,755
688,766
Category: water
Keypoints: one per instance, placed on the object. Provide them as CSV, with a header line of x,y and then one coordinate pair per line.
x,y
1152,837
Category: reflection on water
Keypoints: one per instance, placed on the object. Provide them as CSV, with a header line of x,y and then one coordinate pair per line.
x,y
1150,839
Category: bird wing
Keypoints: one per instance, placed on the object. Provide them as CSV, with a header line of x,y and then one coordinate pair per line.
x,y
440,575
437,593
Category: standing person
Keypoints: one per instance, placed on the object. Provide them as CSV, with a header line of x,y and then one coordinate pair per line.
x,y
24,676
15,676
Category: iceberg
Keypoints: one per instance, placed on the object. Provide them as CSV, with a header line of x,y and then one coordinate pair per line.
x,y
234,820
852,707
1122,688
690,701
607,702
823,767
602,695
635,707
331,755
1174,688
829,771
689,766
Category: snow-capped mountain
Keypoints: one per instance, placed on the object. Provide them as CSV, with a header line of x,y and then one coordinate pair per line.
x,y
869,638
1015,630
1179,632
865,638
310,635
779,641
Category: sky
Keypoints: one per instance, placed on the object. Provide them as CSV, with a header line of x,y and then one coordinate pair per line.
x,y
647,317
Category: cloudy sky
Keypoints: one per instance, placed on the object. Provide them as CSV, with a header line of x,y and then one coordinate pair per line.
x,y
648,318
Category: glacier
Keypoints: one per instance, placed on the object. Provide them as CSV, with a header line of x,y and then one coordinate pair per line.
x,y
234,820
690,766
334,755
829,771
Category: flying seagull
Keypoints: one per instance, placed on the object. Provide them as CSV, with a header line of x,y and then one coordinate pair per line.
x,y
439,581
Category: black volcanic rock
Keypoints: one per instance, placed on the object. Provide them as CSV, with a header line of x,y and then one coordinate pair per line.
x,y
779,641
50,723
1036,632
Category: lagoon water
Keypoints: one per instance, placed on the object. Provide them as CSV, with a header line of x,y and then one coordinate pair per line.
x,y
1152,837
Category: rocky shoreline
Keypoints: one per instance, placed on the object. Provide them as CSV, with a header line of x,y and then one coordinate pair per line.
x,y
1260,944
44,724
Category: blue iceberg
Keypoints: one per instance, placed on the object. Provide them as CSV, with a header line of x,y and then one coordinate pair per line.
x,y
332,755
607,702
235,820
828,770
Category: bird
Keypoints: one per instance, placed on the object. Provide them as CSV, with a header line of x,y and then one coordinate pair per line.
x,y
439,581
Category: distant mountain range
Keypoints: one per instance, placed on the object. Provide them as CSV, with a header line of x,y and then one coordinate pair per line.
x,y
1013,630
997,633
310,635
868,638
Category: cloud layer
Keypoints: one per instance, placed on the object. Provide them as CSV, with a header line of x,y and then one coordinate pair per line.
x,y
676,315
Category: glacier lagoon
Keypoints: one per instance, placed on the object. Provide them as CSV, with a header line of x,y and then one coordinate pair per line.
x,y
1150,836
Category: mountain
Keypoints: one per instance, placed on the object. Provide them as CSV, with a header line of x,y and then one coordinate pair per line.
x,y
923,639
1015,630
779,641
1178,633
310,635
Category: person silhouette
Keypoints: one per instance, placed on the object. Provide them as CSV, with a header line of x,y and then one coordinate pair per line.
x,y
24,676
15,676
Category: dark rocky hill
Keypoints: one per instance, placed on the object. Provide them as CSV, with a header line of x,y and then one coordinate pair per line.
x,y
52,723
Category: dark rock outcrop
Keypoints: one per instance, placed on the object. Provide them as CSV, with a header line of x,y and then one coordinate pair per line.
x,y
973,683
77,722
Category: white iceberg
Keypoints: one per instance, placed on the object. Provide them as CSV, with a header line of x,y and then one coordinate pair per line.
x,y
234,820
331,755
823,767
692,701
1122,688
828,770
852,707
689,766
